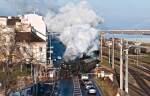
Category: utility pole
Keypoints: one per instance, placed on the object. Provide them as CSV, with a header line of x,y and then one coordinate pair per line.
x,y
121,66
101,47
137,57
126,68
109,56
113,65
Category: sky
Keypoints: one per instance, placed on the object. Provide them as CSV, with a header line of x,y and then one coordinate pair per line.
x,y
117,14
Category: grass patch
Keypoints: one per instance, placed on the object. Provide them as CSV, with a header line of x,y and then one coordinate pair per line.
x,y
108,89
106,63
11,76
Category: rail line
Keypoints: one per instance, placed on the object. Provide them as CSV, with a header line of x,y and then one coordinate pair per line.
x,y
77,89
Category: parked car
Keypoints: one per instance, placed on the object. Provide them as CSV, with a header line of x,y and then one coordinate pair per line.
x,y
92,90
87,82
84,77
88,85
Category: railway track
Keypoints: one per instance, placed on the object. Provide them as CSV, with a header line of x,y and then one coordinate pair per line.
x,y
139,73
142,65
77,89
140,81
136,91
143,88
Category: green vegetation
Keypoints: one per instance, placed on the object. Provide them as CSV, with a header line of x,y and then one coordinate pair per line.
x,y
108,88
106,63
105,85
145,59
84,67
11,76
25,72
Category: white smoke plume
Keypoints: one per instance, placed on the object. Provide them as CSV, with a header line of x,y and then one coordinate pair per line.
x,y
72,14
79,39
76,23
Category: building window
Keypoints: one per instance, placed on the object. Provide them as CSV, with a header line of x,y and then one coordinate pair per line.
x,y
24,49
3,39
17,48
40,49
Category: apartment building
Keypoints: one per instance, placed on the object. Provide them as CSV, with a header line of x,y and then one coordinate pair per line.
x,y
29,44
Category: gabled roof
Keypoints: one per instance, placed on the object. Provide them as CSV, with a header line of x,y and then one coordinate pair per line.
x,y
28,37
38,24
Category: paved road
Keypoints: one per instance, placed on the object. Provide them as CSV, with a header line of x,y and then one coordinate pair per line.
x,y
58,49
84,91
65,87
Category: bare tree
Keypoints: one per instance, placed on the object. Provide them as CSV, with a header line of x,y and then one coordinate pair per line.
x,y
7,47
7,44
13,53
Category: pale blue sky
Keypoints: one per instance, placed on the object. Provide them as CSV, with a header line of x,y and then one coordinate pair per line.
x,y
121,14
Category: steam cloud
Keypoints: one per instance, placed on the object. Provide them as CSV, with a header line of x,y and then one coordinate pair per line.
x,y
76,23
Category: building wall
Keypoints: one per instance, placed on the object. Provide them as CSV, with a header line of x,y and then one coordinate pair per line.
x,y
35,49
7,38
39,51
3,21
23,27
